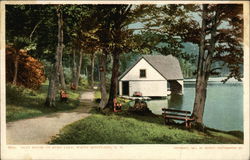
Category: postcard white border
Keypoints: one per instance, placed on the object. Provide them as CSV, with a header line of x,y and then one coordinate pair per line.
x,y
179,151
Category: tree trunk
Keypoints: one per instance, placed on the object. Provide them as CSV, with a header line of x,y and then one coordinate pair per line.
x,y
53,83
204,66
114,79
91,75
79,68
200,98
200,92
62,79
78,71
15,68
102,71
116,34
54,75
61,72
74,68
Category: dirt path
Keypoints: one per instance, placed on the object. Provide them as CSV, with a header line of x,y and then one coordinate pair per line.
x,y
39,130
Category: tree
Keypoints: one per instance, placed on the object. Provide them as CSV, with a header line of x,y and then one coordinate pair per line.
x,y
102,58
217,43
120,39
105,34
90,46
55,73
81,27
118,19
92,67
19,43
76,65
30,72
61,72
104,37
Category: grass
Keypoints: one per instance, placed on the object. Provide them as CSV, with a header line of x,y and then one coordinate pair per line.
x,y
24,103
115,129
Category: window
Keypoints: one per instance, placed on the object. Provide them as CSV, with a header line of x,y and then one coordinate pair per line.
x,y
142,73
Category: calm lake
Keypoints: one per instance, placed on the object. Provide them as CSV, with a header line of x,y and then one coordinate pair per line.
x,y
224,104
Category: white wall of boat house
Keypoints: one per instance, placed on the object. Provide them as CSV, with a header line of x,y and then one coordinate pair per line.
x,y
154,84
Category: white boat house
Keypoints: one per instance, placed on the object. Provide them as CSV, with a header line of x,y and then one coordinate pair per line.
x,y
152,76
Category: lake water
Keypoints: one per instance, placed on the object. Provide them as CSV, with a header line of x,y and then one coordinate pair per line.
x,y
224,104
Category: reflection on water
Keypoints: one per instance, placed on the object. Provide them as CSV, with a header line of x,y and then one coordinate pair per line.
x,y
175,101
224,104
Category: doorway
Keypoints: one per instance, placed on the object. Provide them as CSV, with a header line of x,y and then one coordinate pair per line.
x,y
125,88
175,87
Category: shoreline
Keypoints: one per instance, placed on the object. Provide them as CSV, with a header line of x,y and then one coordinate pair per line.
x,y
215,79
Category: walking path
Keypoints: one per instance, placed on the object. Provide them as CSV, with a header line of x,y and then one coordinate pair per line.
x,y
39,130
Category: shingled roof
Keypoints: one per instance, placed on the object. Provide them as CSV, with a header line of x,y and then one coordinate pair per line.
x,y
167,66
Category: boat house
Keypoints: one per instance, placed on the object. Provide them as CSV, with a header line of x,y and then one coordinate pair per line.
x,y
152,76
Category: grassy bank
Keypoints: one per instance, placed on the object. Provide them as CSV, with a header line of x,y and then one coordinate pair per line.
x,y
24,103
128,129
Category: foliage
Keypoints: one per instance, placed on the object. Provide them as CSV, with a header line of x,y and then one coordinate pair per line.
x,y
217,42
24,103
223,37
115,129
30,72
188,69
83,82
47,67
67,75
162,32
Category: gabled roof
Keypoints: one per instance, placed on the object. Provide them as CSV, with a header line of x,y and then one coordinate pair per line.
x,y
167,66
